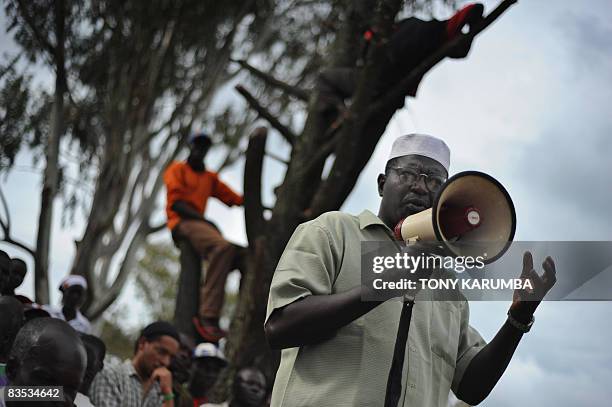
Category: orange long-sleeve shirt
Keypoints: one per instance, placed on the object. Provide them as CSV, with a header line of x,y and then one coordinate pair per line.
x,y
185,184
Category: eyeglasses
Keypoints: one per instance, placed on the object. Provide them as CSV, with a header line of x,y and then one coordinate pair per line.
x,y
409,176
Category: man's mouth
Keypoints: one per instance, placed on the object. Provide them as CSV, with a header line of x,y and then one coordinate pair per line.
x,y
414,205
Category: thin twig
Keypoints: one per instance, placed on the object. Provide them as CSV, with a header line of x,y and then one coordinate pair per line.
x,y
295,91
265,113
6,228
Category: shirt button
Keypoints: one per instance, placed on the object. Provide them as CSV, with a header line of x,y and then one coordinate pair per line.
x,y
412,385
412,349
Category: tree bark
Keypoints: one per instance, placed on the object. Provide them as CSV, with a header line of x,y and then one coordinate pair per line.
x,y
51,173
190,277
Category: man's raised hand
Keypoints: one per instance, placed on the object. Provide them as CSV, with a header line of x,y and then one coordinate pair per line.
x,y
525,301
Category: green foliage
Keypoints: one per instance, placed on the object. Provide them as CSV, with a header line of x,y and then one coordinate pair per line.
x,y
117,341
156,280
14,96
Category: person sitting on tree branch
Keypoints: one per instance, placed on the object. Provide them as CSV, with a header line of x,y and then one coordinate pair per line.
x,y
189,185
412,41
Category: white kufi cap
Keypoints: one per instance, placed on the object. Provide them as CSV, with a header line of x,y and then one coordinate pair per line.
x,y
421,144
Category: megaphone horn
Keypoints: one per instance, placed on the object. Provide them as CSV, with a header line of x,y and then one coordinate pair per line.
x,y
472,215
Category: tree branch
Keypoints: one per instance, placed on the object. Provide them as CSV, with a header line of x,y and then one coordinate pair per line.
x,y
42,41
156,228
253,207
230,159
10,65
99,306
399,92
287,134
276,158
6,228
359,134
295,91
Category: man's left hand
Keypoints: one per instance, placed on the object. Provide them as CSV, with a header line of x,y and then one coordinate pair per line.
x,y
525,301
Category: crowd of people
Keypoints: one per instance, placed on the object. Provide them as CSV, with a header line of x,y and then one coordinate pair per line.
x,y
53,346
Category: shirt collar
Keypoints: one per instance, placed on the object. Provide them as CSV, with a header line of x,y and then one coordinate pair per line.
x,y
129,368
367,219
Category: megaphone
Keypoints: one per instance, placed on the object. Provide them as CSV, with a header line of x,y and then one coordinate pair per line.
x,y
472,215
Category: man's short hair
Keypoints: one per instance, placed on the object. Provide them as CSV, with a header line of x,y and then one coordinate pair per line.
x,y
95,342
28,337
5,260
199,135
17,262
155,331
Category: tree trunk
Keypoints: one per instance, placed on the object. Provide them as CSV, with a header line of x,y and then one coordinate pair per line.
x,y
51,173
188,293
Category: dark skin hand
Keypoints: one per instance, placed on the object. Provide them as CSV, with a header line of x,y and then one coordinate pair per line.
x,y
489,364
186,211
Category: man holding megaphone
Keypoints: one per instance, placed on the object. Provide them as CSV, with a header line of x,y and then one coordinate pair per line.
x,y
339,350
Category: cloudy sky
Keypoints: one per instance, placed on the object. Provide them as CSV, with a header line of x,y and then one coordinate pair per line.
x,y
530,106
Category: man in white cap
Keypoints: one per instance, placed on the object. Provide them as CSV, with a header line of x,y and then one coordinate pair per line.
x,y
208,362
340,350
74,294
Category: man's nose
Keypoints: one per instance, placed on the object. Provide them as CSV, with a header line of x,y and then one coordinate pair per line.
x,y
419,186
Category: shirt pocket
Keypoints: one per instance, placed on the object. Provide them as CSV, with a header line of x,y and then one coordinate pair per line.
x,y
445,331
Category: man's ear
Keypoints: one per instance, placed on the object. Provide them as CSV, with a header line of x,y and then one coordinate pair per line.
x,y
381,183
141,343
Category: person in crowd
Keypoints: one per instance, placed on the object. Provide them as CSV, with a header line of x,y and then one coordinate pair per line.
x,y
208,362
74,294
12,276
96,351
249,389
180,367
11,320
5,270
144,380
32,311
16,274
373,353
189,184
47,352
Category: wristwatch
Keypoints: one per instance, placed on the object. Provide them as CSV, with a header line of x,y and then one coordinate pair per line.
x,y
524,328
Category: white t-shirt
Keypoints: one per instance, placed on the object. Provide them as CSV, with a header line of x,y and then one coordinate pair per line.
x,y
79,323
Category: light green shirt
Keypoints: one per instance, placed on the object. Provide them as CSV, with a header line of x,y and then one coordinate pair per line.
x,y
324,257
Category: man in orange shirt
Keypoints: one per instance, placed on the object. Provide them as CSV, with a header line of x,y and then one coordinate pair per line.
x,y
189,185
